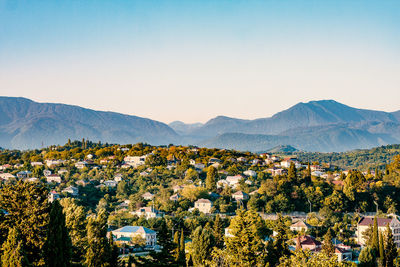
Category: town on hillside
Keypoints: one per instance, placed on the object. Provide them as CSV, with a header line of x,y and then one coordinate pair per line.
x,y
87,204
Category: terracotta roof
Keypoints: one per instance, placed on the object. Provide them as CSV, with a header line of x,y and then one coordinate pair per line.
x,y
203,200
366,221
309,240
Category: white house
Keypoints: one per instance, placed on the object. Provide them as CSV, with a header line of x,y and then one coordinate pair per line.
x,y
250,173
81,164
6,176
135,161
110,183
71,190
53,195
365,222
53,178
233,180
148,196
148,212
126,233
240,195
203,205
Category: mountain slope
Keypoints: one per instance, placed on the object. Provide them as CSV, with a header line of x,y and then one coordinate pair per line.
x,y
330,138
184,128
27,124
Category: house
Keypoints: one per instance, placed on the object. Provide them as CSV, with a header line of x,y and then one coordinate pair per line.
x,y
148,212
31,180
52,162
222,183
343,253
23,174
177,188
276,171
199,166
203,205
53,195
307,242
135,161
53,178
365,222
250,173
36,163
175,197
6,176
81,164
62,171
148,196
300,226
233,180
82,183
240,196
72,190
126,233
213,160
110,183
317,173
118,178
46,172
5,167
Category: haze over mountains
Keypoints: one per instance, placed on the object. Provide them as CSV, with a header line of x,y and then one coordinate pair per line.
x,y
324,126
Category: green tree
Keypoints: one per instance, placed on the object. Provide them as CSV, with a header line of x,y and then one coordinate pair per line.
x,y
367,258
390,248
202,244
375,237
218,231
245,245
13,251
182,253
212,175
58,243
28,213
177,246
280,247
382,260
327,247
98,251
75,220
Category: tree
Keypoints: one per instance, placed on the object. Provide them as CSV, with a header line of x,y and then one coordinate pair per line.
x,y
13,251
390,248
307,259
182,253
114,252
328,247
367,258
58,243
292,173
202,244
28,213
381,250
177,248
218,232
375,237
75,220
212,175
245,244
280,247
98,251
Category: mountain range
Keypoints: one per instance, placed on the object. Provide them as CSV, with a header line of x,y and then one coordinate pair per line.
x,y
325,126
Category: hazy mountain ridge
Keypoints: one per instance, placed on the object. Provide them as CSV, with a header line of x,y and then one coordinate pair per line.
x,y
26,124
324,126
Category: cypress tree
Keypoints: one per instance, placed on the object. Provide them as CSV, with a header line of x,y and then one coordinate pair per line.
x,y
177,246
114,252
390,248
375,237
182,253
98,251
58,243
381,250
327,246
218,232
13,251
202,244
212,175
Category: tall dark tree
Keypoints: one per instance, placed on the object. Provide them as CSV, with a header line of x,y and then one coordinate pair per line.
x,y
218,231
13,251
182,253
58,243
375,237
211,178
114,252
390,248
382,259
28,212
328,247
202,244
98,251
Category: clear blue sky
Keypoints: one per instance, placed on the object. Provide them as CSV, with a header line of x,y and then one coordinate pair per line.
x,y
193,60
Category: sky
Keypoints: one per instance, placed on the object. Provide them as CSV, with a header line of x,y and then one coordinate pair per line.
x,y
194,60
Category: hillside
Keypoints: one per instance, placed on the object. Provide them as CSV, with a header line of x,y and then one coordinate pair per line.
x,y
28,124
